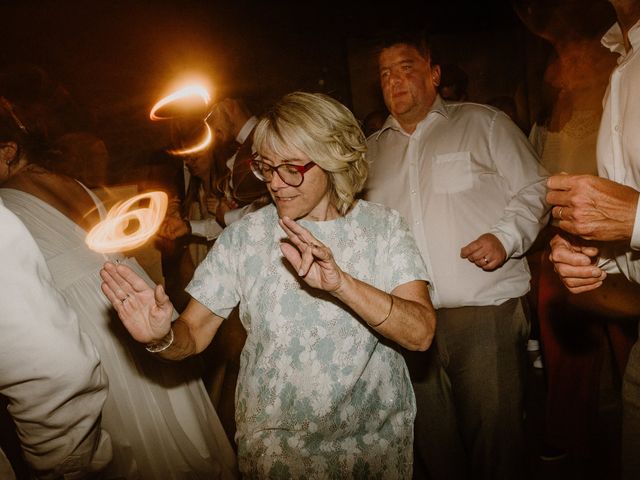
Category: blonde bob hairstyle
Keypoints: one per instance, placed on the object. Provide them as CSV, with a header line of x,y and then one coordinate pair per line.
x,y
324,130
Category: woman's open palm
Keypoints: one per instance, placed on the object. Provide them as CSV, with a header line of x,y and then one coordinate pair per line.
x,y
144,311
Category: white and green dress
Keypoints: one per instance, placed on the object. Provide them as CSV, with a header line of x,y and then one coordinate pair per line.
x,y
320,394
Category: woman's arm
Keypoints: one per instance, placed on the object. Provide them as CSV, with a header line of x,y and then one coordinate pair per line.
x,y
146,313
405,316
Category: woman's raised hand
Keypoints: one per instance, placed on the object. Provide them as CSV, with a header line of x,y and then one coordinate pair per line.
x,y
312,260
145,312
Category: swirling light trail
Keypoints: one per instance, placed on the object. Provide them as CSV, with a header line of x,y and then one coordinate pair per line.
x,y
182,98
185,93
110,235
198,147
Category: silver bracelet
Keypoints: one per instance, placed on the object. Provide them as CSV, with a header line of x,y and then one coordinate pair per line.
x,y
162,344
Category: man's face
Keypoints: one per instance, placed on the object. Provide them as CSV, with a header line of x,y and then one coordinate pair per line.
x,y
222,125
409,83
199,165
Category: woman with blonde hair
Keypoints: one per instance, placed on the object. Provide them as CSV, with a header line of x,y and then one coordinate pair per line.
x,y
323,390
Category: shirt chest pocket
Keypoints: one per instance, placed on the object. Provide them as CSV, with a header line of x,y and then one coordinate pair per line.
x,y
452,172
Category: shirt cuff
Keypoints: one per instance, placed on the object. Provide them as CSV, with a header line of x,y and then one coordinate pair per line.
x,y
635,235
209,228
507,243
608,265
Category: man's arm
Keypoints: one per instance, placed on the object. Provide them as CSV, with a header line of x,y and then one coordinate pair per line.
x,y
526,212
49,370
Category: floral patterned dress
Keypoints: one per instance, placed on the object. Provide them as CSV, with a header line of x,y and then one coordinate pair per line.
x,y
319,394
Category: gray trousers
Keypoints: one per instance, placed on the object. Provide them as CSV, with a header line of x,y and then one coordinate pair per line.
x,y
631,416
470,393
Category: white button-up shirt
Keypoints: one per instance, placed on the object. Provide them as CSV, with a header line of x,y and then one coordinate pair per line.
x,y
619,138
465,170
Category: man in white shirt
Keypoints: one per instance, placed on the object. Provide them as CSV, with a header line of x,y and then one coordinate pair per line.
x,y
49,371
468,182
606,208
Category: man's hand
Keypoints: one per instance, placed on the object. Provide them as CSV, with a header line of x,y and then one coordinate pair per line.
x,y
575,264
173,227
223,207
486,252
592,207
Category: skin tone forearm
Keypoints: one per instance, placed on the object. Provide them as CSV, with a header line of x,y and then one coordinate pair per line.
x,y
411,322
193,331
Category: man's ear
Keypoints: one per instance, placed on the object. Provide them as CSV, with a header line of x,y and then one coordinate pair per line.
x,y
8,153
435,75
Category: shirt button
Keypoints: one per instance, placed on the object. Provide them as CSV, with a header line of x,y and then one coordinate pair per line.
x,y
417,222
413,192
617,128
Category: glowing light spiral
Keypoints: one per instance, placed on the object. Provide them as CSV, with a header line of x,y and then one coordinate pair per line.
x,y
111,235
187,99
185,95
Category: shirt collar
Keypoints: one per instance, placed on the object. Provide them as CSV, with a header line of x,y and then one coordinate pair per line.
x,y
613,39
438,107
246,130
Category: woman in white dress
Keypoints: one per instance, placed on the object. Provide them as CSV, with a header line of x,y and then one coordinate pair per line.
x,y
323,391
160,420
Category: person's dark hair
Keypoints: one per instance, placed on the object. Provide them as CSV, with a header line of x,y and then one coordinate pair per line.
x,y
30,112
454,77
13,128
417,38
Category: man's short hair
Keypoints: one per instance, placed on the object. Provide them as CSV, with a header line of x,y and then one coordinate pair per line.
x,y
417,38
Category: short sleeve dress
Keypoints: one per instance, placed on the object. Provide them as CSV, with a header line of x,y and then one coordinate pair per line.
x,y
320,394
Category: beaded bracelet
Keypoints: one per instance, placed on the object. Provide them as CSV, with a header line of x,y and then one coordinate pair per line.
x,y
162,344
385,318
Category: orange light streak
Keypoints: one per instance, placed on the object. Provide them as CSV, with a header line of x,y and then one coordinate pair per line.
x,y
199,147
186,93
184,98
110,235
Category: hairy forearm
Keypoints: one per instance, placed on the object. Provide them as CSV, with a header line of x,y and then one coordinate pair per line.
x,y
409,323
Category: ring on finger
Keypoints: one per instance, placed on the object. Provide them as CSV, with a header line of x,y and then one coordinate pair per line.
x,y
125,297
560,213
486,260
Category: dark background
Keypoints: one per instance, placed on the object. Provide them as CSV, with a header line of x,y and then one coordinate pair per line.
x,y
117,58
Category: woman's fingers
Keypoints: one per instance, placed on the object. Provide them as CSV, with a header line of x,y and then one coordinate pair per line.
x,y
116,289
107,288
131,278
300,236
